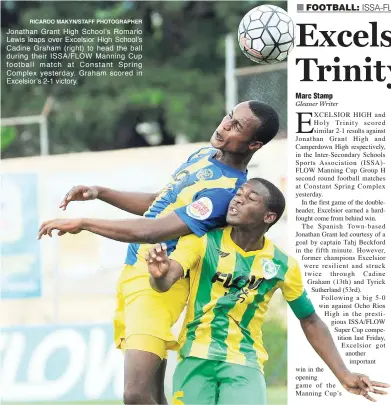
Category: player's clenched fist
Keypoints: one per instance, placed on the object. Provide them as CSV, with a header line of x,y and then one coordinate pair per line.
x,y
79,193
158,261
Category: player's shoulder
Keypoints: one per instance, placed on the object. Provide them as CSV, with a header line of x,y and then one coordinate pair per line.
x,y
214,236
202,152
218,195
283,257
293,263
190,238
219,230
192,241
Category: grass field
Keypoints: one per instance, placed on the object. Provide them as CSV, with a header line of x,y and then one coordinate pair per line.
x,y
276,396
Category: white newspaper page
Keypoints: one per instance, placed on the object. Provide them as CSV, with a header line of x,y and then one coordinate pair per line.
x,y
339,98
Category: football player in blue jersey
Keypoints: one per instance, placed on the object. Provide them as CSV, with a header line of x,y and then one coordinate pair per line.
x,y
194,201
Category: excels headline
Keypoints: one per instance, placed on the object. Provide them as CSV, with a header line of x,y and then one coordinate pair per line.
x,y
310,36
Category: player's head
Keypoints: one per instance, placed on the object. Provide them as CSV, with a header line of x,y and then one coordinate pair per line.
x,y
248,127
258,204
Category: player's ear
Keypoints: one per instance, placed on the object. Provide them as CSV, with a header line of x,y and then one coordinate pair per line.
x,y
255,145
270,217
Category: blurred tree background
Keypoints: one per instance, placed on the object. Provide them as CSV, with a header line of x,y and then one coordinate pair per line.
x,y
182,87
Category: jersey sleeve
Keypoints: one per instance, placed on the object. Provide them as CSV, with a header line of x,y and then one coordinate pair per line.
x,y
295,294
187,252
207,211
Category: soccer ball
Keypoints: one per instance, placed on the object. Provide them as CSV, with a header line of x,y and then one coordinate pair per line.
x,y
266,34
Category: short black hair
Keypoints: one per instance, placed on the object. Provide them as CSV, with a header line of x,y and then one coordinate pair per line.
x,y
275,200
270,122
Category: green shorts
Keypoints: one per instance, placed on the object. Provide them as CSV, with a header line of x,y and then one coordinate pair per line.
x,y
208,382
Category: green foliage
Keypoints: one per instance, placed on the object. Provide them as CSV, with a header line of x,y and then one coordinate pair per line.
x,y
275,341
183,73
277,395
8,135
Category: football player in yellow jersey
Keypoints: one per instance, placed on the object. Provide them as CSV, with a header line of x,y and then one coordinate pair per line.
x,y
234,272
195,201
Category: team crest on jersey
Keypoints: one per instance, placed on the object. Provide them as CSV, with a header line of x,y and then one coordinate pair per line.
x,y
200,209
270,269
204,174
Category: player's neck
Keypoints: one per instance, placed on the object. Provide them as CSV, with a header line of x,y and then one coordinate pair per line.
x,y
238,162
248,240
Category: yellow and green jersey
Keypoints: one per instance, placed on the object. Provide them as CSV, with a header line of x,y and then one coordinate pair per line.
x,y
230,290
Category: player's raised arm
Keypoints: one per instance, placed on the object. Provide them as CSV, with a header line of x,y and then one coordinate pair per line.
x,y
208,211
320,338
129,201
139,230
164,273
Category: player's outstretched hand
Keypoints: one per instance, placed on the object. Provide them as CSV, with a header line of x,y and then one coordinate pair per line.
x,y
158,261
62,225
361,384
79,193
